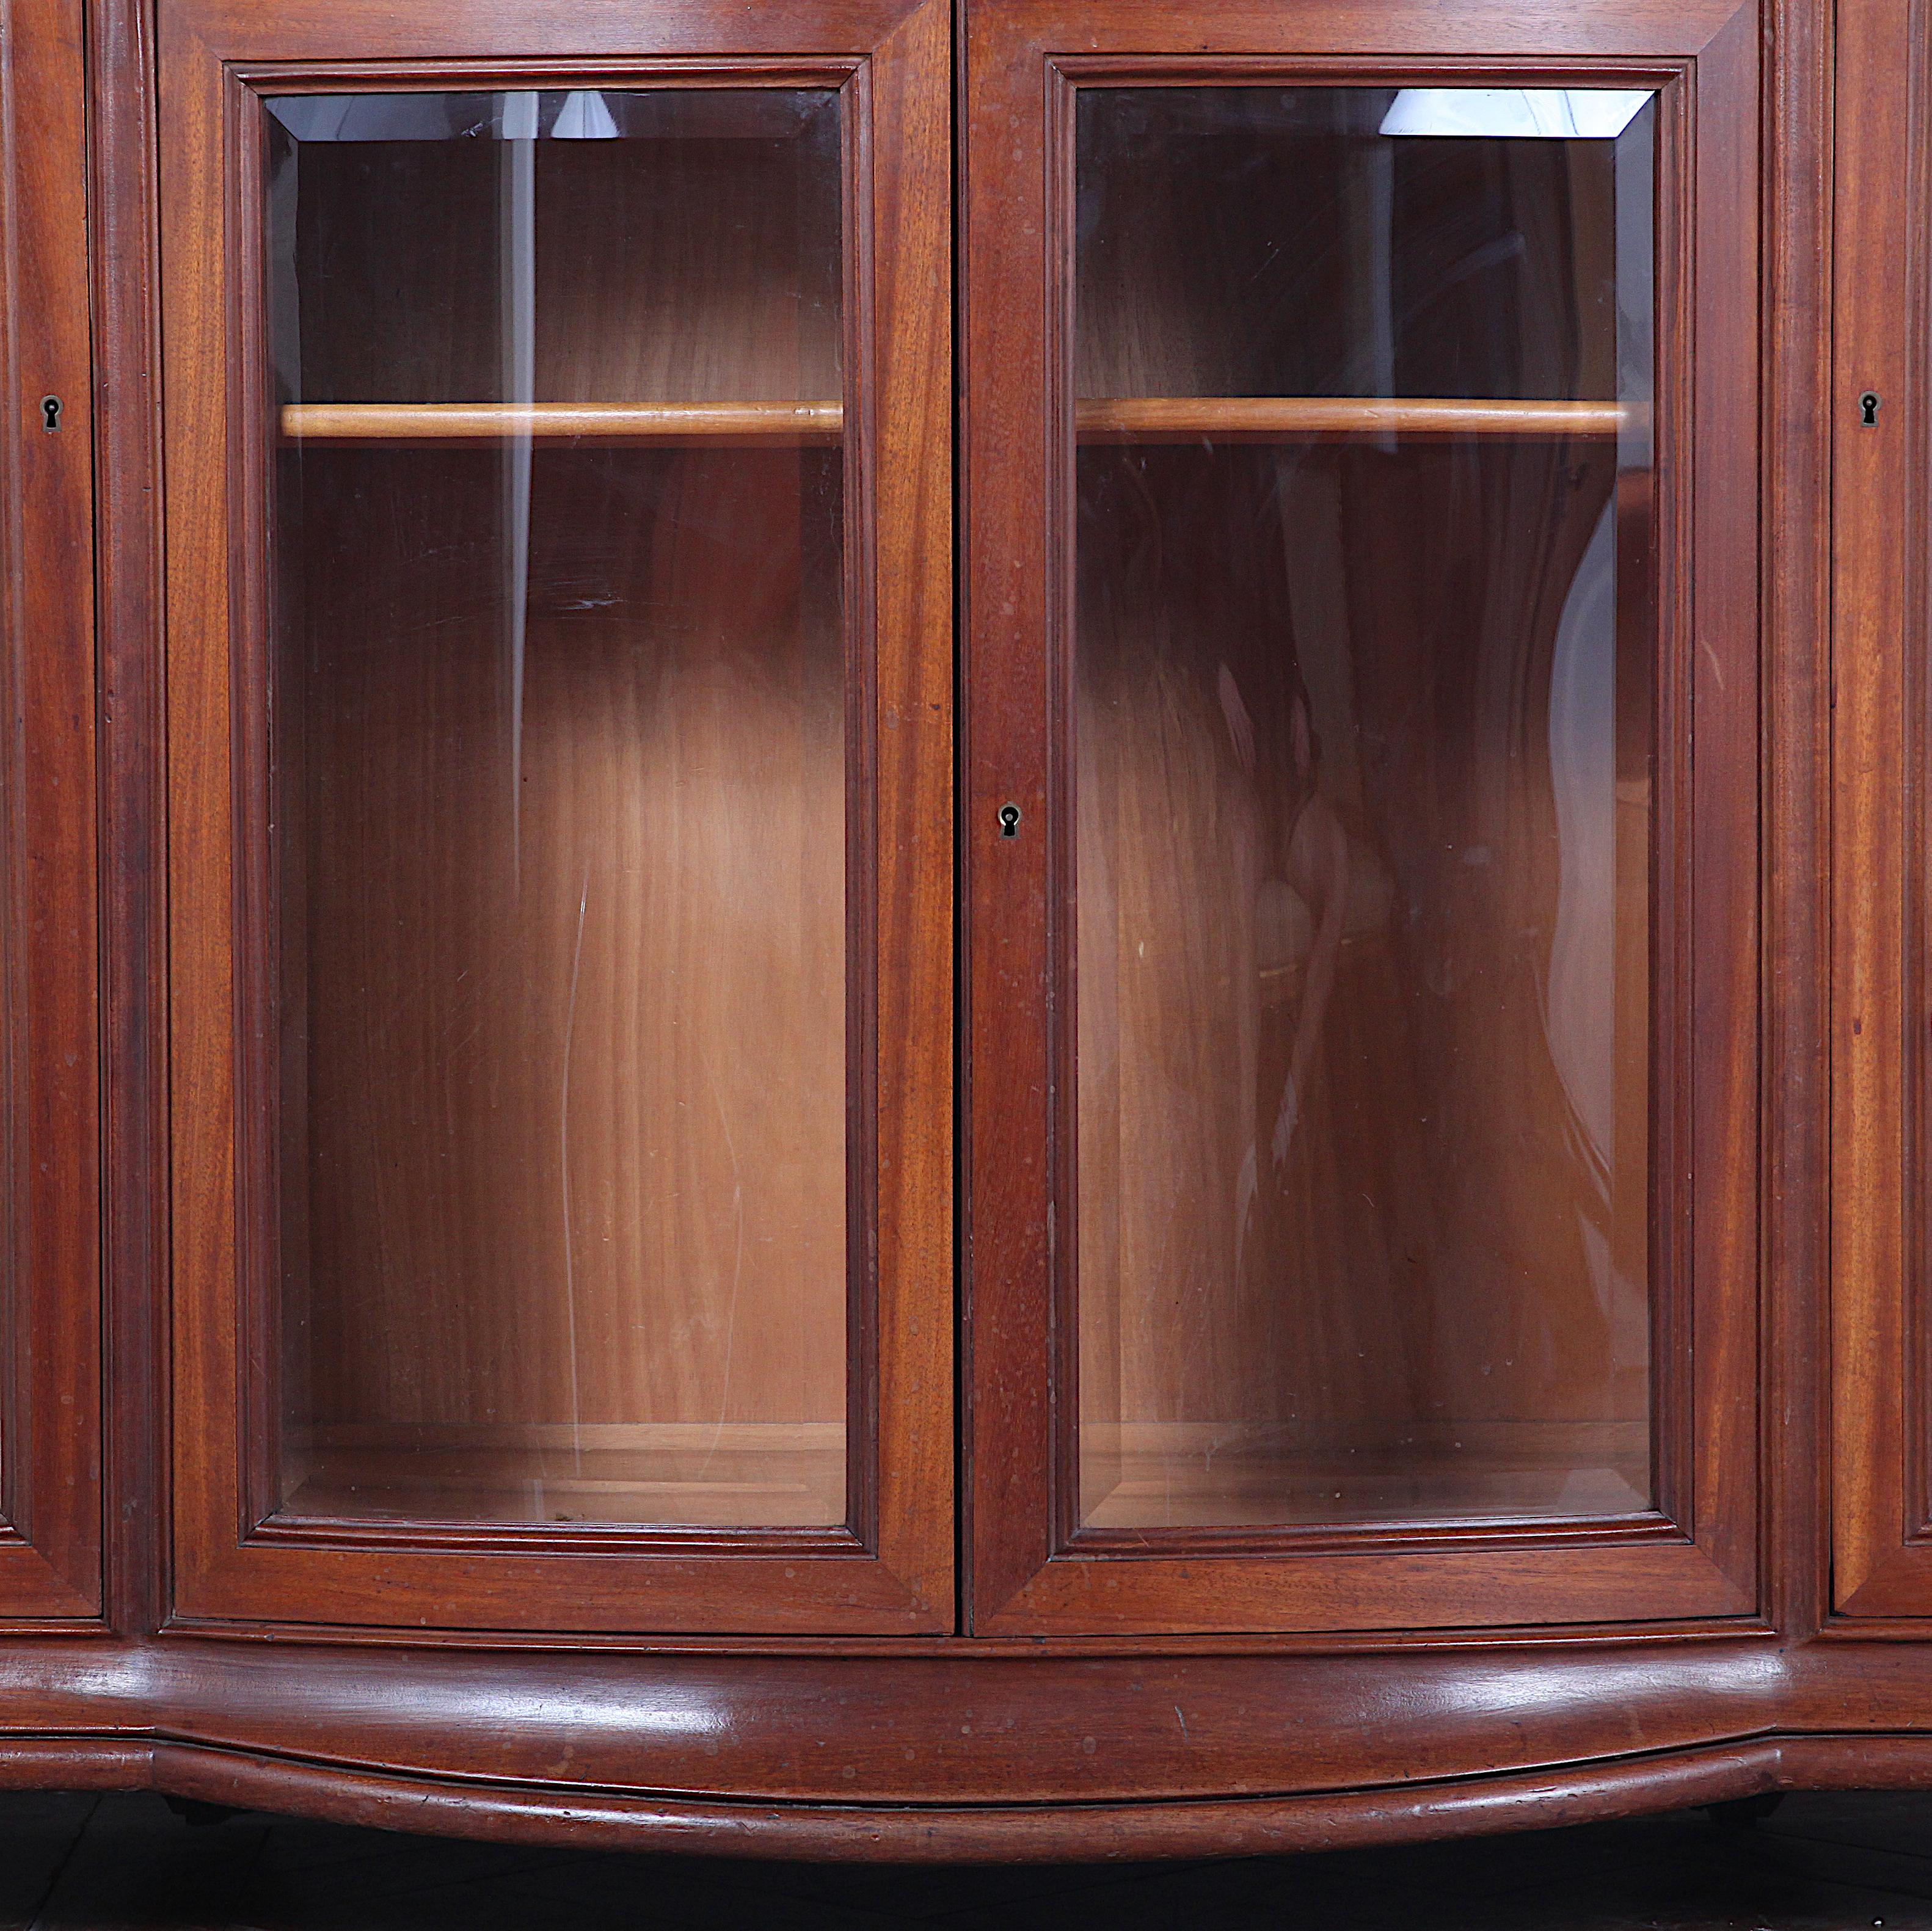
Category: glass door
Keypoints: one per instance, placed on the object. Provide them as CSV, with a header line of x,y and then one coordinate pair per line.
x,y
1365,786
565,820
1362,803
559,740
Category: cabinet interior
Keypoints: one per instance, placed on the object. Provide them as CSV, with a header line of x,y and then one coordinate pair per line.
x,y
561,737
1362,712
1362,706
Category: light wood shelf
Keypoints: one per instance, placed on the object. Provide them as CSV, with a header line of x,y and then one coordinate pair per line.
x,y
667,424
1192,1475
1102,420
769,1474
1296,418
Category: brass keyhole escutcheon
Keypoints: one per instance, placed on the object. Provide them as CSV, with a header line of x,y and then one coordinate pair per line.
x,y
1009,821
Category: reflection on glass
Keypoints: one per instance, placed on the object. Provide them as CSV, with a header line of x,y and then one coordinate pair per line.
x,y
1362,720
558,753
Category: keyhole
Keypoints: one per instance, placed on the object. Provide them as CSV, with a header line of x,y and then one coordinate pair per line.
x,y
1009,821
50,409
1868,404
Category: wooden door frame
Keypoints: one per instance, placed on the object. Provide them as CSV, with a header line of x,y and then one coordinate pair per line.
x,y
1882,1234
50,1534
892,1572
1695,1557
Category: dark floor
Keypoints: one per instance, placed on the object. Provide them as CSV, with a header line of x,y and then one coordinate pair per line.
x,y
121,1863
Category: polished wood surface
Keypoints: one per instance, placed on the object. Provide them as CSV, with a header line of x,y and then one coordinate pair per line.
x,y
1882,1368
1799,268
1132,419
962,1757
1137,419
50,1357
677,425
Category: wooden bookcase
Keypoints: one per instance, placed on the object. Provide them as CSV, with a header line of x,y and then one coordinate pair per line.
x,y
963,932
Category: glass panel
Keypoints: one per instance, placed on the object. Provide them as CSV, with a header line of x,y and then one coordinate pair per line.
x,y
558,748
1363,718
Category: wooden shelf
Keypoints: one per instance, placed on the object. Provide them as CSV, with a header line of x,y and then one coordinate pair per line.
x,y
1336,418
770,1474
1105,420
666,425
1184,1475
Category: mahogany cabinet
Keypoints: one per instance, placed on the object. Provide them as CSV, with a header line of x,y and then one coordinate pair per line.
x,y
965,932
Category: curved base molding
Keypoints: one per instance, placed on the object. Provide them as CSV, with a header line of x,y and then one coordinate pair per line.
x,y
981,1756
1004,1833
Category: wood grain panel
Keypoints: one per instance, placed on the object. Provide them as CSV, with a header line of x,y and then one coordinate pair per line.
x,y
1407,1249
573,1014
1882,1361
50,1537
